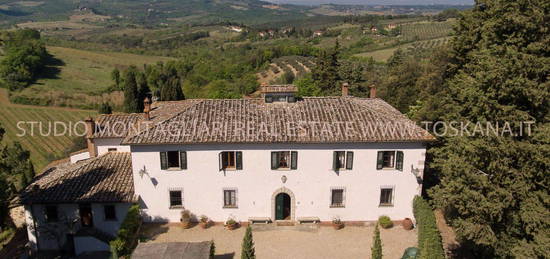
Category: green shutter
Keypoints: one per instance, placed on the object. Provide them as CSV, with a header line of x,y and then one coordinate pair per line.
x,y
163,160
399,161
294,160
239,160
274,160
349,160
380,160
183,160
335,161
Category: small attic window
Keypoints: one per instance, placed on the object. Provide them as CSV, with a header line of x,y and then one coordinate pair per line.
x,y
279,93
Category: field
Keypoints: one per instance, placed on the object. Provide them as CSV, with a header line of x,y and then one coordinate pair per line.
x,y
296,65
81,78
382,55
43,148
426,30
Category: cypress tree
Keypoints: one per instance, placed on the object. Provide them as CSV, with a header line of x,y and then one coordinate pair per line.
x,y
171,90
376,249
248,251
131,92
105,108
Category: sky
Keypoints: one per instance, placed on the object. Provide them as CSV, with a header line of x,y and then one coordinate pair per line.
x,y
377,2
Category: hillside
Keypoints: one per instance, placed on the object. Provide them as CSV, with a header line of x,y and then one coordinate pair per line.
x,y
43,148
151,12
81,78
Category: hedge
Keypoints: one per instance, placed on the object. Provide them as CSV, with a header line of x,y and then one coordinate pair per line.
x,y
429,238
125,241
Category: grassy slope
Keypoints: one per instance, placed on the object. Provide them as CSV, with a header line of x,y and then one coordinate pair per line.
x,y
82,77
42,148
88,71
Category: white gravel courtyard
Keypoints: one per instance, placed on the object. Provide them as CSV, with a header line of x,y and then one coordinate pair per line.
x,y
281,242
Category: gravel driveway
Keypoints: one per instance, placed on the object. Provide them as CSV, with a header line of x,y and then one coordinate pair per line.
x,y
278,242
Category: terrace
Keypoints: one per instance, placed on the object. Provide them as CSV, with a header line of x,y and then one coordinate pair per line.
x,y
301,241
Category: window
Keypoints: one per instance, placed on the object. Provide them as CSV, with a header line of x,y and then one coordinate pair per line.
x,y
337,197
231,160
51,213
176,199
390,159
111,149
284,160
230,198
386,196
173,160
342,160
110,212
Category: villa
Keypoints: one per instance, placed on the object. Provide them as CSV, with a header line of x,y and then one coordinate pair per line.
x,y
278,158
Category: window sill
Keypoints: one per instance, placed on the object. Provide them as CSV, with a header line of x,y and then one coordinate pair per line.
x,y
173,169
176,207
230,207
229,169
337,206
385,205
281,169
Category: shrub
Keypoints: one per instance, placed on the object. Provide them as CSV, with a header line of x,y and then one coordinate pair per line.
x,y
429,238
385,222
126,236
212,249
376,249
248,251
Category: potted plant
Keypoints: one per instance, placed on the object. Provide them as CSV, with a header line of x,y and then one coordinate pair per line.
x,y
185,219
231,224
407,224
337,223
203,221
385,222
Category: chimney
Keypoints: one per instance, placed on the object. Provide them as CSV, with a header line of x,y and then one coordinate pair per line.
x,y
90,128
345,89
147,108
372,91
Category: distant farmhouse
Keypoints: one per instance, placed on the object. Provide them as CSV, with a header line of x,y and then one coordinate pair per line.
x,y
278,158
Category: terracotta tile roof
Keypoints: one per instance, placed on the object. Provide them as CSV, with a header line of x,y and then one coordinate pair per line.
x,y
115,125
107,178
311,120
121,125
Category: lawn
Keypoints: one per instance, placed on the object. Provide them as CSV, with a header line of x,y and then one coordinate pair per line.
x,y
42,148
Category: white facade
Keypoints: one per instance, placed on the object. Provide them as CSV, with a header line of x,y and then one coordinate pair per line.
x,y
104,145
202,183
69,223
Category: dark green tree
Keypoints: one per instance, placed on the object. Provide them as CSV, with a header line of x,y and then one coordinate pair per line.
x,y
25,56
131,94
115,76
143,89
105,108
325,73
494,187
376,249
171,90
248,251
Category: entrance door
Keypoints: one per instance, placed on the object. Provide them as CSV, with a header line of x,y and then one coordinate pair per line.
x,y
86,217
282,207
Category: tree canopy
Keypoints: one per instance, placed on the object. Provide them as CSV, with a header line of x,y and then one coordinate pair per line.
x,y
494,187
